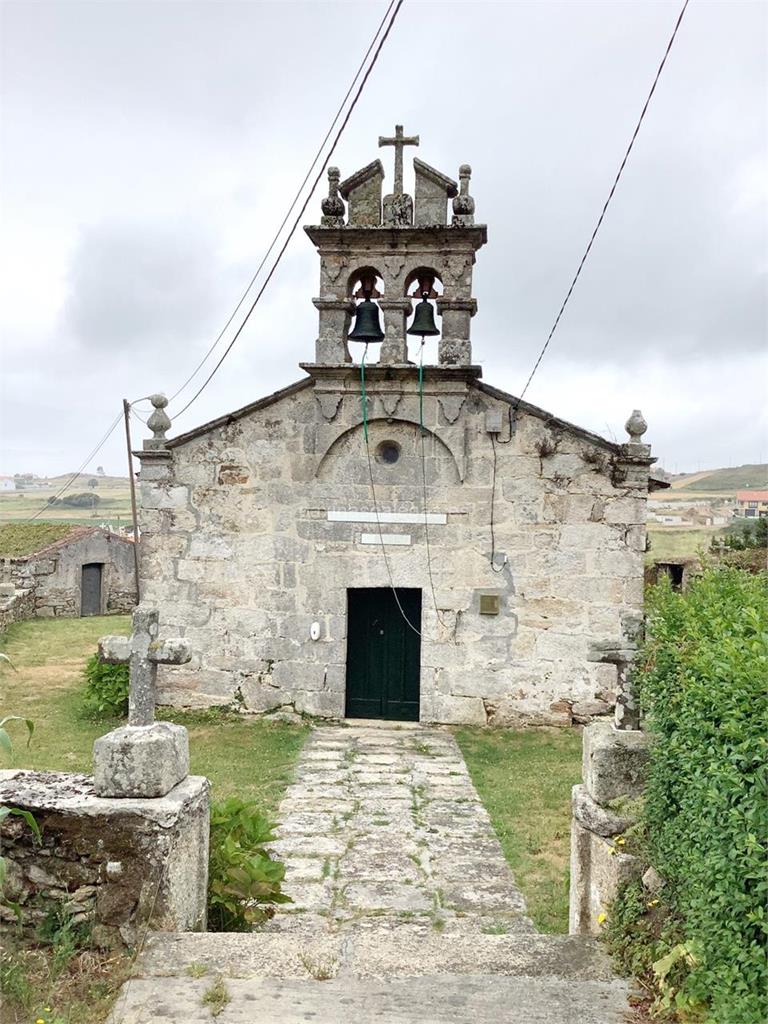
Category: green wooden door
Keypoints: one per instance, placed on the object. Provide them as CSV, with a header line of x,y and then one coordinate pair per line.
x,y
383,654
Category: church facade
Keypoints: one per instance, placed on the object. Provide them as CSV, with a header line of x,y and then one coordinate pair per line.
x,y
385,540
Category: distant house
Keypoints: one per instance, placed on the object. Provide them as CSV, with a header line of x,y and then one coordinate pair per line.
x,y
87,571
752,504
7,483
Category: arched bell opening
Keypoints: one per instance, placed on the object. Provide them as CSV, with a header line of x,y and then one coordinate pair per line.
x,y
423,285
362,279
365,285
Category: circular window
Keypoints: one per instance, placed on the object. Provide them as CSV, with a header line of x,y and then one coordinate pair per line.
x,y
388,452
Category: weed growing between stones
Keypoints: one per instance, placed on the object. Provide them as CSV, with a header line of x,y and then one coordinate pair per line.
x,y
196,970
216,997
320,968
495,928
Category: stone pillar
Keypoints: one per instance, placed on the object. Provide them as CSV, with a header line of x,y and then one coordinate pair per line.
x,y
455,347
614,767
394,348
335,317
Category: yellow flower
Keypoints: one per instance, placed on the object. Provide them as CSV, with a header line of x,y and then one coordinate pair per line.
x,y
653,903
39,1021
602,917
612,851
620,841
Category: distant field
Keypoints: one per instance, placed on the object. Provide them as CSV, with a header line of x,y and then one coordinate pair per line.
x,y
678,542
736,478
684,495
114,505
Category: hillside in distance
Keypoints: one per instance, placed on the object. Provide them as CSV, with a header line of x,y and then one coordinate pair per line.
x,y
731,479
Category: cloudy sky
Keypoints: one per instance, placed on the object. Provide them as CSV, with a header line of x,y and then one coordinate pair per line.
x,y
150,149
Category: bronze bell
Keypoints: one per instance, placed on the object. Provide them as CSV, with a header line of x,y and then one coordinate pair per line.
x,y
367,324
423,319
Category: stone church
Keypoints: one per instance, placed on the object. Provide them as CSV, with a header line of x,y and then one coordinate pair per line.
x,y
386,539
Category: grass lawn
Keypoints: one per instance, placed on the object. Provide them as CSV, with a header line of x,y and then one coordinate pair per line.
x,y
678,542
525,779
243,757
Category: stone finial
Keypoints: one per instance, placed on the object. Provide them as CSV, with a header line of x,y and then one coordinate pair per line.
x,y
464,204
636,427
333,205
159,422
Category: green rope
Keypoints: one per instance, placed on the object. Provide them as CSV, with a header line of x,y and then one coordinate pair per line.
x,y
363,398
421,386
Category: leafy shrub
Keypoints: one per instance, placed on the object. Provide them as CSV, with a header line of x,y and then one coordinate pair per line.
x,y
106,690
701,682
82,500
244,881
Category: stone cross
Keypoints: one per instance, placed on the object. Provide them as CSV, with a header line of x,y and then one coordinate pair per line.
x,y
144,758
143,652
399,142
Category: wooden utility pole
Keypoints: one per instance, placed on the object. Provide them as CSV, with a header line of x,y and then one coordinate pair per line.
x,y
127,417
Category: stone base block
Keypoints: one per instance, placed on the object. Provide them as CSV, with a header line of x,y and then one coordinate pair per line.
x,y
614,762
119,866
597,873
140,760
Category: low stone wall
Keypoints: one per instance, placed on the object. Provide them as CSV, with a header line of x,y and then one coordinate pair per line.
x,y
119,865
15,605
614,768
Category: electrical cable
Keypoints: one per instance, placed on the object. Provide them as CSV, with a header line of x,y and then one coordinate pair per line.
x,y
76,474
364,403
297,221
89,459
601,217
296,198
513,410
422,432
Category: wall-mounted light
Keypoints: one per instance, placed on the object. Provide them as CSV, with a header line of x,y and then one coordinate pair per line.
x,y
314,631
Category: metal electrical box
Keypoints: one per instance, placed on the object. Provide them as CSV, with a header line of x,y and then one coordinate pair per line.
x,y
493,421
489,604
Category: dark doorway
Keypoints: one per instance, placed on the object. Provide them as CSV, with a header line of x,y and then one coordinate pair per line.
x,y
90,589
383,654
675,571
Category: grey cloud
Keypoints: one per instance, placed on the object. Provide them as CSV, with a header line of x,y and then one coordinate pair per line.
x,y
141,286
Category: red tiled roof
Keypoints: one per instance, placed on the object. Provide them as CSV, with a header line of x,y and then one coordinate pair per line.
x,y
751,495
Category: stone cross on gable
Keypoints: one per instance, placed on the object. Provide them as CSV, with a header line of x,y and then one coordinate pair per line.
x,y
143,652
399,142
144,758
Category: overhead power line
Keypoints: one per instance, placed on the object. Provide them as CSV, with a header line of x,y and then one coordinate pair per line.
x,y
77,473
305,204
284,221
605,205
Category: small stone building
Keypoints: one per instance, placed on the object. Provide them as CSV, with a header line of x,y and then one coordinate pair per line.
x,y
90,571
386,540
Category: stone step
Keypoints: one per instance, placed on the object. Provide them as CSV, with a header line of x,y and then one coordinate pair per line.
x,y
380,949
432,999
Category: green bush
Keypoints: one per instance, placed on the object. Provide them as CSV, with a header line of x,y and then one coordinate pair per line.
x,y
702,683
106,689
244,881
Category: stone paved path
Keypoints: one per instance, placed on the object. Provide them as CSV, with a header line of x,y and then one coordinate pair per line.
x,y
385,824
405,911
